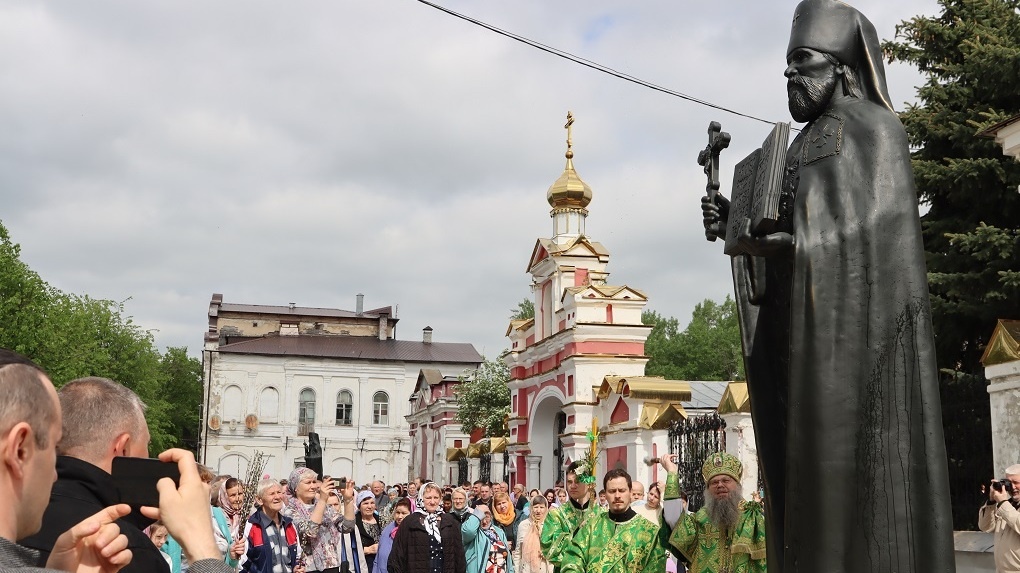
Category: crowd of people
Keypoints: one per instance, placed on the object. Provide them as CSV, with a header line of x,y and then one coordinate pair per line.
x,y
59,450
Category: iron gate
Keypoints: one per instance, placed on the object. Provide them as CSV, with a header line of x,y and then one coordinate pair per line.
x,y
561,458
462,471
485,468
693,439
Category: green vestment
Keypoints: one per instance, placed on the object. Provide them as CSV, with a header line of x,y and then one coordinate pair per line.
x,y
559,528
713,551
603,545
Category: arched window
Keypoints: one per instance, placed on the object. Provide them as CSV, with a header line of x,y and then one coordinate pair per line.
x,y
233,403
306,412
269,405
344,408
381,409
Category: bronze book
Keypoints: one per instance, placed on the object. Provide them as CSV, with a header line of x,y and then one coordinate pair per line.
x,y
757,187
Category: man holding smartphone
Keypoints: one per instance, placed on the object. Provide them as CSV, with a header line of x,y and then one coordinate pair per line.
x,y
30,426
102,420
1001,516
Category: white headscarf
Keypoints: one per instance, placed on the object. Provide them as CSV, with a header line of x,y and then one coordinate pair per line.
x,y
430,520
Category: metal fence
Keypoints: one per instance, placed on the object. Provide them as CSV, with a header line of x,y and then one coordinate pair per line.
x,y
485,468
966,419
462,471
693,439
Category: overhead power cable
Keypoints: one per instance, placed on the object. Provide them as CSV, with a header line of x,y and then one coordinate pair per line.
x,y
590,64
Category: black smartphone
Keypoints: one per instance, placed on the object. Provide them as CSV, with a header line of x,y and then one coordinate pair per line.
x,y
136,479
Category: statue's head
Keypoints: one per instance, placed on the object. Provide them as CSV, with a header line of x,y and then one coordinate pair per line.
x,y
832,47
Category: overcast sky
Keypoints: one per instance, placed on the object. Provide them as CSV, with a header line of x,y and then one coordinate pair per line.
x,y
304,152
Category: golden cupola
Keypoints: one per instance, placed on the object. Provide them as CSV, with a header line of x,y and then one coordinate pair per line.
x,y
569,191
569,196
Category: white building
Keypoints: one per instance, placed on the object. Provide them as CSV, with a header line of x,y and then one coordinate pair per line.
x,y
272,374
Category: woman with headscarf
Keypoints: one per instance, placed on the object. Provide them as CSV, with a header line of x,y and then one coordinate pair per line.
x,y
505,517
400,509
429,541
476,548
369,526
386,511
561,497
229,520
315,521
528,556
497,557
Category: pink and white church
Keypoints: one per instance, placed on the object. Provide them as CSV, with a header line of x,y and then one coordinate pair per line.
x,y
582,357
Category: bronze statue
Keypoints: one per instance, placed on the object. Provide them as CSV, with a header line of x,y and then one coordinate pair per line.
x,y
836,324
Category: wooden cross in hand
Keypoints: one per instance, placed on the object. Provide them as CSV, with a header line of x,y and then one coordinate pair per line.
x,y
709,159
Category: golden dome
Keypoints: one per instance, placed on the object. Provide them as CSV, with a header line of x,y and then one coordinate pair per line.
x,y
569,191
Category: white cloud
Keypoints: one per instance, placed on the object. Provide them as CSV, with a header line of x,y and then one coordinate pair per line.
x,y
305,152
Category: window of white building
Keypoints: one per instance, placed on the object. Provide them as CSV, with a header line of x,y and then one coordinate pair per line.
x,y
381,409
269,405
306,412
344,408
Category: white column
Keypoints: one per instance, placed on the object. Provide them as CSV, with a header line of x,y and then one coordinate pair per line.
x,y
1004,398
534,471
496,467
474,469
740,443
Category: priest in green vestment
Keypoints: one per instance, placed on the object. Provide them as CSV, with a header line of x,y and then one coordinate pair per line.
x,y
564,521
615,541
727,535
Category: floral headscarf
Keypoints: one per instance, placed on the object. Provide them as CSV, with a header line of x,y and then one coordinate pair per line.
x,y
295,478
430,520
224,501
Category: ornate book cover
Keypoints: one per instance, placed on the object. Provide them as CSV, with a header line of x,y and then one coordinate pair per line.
x,y
741,198
757,186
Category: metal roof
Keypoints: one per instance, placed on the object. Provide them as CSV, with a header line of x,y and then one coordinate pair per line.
x,y
705,394
303,310
356,347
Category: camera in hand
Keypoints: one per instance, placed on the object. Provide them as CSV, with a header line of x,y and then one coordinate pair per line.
x,y
340,484
1003,485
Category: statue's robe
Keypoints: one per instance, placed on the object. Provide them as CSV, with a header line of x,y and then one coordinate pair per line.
x,y
841,370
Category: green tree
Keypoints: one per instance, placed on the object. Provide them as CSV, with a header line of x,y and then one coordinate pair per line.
x,y
73,336
525,310
181,388
708,349
970,57
483,400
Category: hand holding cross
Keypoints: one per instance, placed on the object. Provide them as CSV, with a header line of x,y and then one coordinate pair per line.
x,y
709,159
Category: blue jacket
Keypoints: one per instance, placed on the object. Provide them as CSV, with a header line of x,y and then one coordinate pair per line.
x,y
477,544
258,555
385,546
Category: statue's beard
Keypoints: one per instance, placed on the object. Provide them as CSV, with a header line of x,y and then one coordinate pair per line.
x,y
724,513
809,97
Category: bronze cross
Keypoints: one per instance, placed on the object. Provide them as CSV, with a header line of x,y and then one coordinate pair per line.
x,y
709,159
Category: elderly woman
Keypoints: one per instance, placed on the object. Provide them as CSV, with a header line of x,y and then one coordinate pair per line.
x,y
270,538
315,521
496,558
429,541
506,517
527,554
228,518
369,526
476,548
401,509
